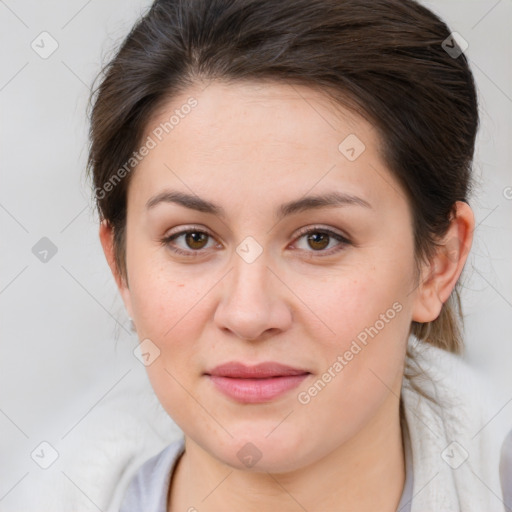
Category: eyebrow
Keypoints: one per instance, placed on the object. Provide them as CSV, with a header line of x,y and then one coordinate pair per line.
x,y
194,202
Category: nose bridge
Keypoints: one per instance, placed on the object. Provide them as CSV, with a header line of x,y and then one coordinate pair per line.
x,y
251,278
252,304
250,275
250,289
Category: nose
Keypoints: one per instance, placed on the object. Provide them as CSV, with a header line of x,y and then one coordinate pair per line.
x,y
254,301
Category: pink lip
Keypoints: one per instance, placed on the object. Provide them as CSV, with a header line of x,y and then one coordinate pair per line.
x,y
255,384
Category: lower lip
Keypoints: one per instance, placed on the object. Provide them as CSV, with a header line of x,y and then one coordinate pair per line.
x,y
253,391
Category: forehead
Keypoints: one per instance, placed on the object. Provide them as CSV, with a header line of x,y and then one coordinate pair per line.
x,y
239,113
266,139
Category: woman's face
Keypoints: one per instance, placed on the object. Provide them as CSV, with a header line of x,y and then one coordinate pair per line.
x,y
249,169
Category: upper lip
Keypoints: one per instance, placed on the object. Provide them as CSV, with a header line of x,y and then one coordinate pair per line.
x,y
237,370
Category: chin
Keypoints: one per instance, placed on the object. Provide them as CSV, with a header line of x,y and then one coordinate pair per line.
x,y
276,453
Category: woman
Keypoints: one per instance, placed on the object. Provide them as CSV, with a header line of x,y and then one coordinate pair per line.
x,y
283,189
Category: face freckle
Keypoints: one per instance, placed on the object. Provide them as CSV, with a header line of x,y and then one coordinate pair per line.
x,y
282,302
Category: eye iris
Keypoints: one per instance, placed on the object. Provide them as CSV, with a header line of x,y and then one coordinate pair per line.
x,y
193,238
318,238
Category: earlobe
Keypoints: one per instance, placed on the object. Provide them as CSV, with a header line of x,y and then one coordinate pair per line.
x,y
440,275
107,242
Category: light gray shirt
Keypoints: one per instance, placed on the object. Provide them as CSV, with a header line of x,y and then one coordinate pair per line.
x,y
148,490
506,471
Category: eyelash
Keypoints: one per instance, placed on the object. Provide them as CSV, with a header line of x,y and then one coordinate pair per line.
x,y
305,231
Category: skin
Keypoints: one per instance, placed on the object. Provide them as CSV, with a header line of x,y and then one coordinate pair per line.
x,y
249,148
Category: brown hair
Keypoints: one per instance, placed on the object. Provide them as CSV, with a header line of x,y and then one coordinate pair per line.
x,y
385,59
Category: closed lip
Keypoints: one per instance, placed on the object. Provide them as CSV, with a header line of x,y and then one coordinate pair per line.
x,y
265,370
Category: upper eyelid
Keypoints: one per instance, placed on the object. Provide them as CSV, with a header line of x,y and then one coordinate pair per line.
x,y
343,238
306,230
300,232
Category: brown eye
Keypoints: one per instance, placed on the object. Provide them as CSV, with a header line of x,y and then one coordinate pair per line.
x,y
190,242
196,239
318,240
322,241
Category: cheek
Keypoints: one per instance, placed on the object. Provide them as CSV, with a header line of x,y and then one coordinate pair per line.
x,y
366,316
171,314
350,303
161,299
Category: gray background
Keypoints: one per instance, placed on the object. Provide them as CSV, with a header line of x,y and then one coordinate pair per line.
x,y
66,342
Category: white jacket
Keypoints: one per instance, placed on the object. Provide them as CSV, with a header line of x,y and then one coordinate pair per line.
x,y
455,445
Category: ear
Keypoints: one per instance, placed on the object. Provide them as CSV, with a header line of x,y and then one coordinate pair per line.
x,y
439,276
107,242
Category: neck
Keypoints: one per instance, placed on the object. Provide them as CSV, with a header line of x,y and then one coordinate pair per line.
x,y
366,474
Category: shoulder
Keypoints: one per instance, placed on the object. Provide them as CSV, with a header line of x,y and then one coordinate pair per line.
x,y
450,380
148,488
465,401
456,434
506,470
